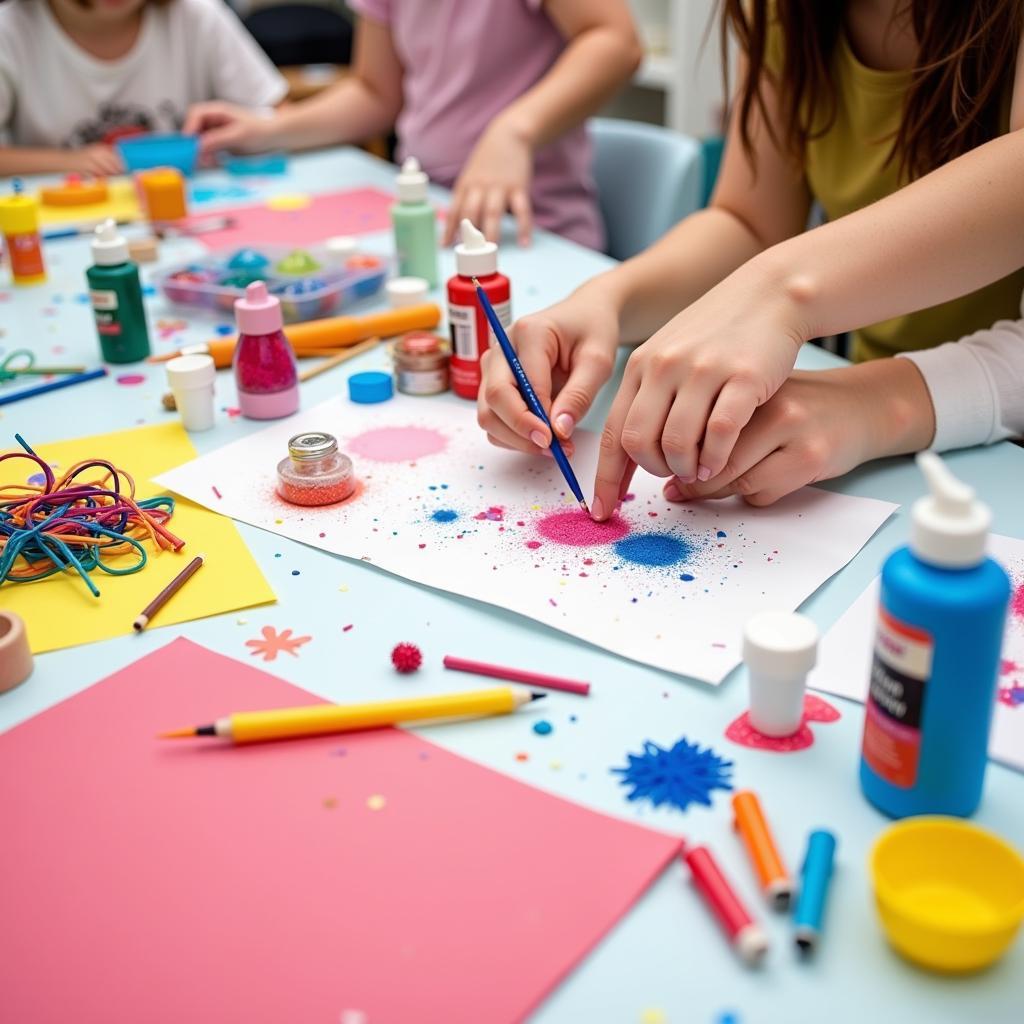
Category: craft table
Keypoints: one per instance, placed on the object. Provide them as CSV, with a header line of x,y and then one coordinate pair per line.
x,y
665,961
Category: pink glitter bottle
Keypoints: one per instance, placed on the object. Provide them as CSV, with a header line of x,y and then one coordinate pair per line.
x,y
264,363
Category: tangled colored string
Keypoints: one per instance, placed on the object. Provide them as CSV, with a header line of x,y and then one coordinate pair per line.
x,y
76,523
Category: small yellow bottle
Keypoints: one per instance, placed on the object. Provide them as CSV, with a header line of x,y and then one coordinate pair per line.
x,y
19,222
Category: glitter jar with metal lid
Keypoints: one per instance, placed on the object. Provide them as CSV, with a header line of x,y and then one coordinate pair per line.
x,y
421,363
315,472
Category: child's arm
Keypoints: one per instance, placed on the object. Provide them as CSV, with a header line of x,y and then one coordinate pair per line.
x,y
98,160
601,54
364,103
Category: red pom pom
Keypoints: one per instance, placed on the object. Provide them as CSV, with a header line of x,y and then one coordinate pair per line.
x,y
406,658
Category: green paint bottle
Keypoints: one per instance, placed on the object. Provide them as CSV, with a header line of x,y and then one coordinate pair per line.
x,y
116,294
415,222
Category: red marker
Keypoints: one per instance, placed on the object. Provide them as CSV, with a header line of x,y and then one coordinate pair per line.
x,y
744,933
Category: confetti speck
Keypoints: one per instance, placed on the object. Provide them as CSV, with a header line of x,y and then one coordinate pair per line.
x,y
376,802
543,727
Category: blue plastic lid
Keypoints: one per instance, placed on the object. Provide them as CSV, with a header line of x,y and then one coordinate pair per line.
x,y
370,387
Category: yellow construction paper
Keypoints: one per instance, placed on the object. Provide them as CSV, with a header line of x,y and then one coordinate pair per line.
x,y
121,203
61,612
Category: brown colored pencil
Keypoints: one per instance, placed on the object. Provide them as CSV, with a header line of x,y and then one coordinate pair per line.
x,y
167,593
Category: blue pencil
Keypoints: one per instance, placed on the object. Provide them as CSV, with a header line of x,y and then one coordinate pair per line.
x,y
529,395
53,385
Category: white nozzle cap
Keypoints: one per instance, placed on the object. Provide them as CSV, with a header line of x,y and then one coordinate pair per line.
x,y
340,247
781,645
109,246
949,526
474,255
412,182
195,371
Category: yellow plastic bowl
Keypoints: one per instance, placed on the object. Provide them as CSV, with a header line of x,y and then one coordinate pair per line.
x,y
950,894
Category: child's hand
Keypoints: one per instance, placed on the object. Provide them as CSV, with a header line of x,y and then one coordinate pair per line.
x,y
495,178
689,391
568,352
99,160
226,126
820,425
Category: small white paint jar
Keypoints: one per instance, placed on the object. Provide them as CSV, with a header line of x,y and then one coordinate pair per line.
x,y
780,649
191,380
422,362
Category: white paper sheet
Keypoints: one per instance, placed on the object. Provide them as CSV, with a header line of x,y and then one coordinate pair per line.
x,y
723,560
844,659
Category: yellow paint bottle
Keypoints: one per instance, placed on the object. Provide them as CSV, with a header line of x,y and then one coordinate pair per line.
x,y
19,223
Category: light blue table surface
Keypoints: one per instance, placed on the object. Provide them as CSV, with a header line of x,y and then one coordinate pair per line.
x,y
666,954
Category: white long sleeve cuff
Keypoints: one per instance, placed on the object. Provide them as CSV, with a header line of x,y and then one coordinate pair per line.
x,y
976,385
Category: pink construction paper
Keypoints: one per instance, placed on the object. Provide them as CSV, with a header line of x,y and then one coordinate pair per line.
x,y
352,212
160,881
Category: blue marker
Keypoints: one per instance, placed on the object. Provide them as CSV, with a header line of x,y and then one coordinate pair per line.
x,y
816,875
529,395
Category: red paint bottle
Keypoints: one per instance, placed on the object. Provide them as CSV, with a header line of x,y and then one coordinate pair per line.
x,y
471,333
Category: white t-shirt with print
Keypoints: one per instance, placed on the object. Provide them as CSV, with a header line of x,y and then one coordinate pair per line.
x,y
53,93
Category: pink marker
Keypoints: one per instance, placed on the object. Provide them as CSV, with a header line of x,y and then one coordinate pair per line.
x,y
517,675
264,363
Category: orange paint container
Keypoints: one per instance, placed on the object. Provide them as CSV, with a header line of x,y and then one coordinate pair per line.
x,y
753,829
163,193
19,223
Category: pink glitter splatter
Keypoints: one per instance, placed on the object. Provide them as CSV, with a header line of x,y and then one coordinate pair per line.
x,y
495,514
398,444
815,710
130,379
1017,602
576,529
533,544
1006,667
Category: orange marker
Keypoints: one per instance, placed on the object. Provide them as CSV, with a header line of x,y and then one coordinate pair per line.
x,y
333,332
757,837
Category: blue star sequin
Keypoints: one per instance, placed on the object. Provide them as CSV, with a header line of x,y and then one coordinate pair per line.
x,y
680,776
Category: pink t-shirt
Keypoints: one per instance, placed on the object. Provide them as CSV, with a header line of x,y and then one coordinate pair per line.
x,y
464,61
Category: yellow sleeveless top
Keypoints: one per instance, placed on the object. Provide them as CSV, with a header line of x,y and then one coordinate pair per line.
x,y
846,169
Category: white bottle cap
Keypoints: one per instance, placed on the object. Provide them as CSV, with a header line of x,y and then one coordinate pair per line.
x,y
341,247
191,379
406,291
474,255
412,182
780,644
109,246
949,526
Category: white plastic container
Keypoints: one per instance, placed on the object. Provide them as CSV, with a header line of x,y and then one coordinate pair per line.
x,y
780,649
191,380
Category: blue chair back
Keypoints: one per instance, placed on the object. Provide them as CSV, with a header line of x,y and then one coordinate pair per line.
x,y
648,179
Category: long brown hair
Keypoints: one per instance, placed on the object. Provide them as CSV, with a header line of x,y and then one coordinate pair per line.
x,y
959,84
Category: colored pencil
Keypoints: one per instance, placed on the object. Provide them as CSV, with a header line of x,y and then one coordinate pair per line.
x,y
745,935
757,837
516,675
338,359
78,231
529,395
52,385
322,719
38,371
167,593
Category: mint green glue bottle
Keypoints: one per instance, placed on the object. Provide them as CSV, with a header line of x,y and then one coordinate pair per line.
x,y
415,222
116,295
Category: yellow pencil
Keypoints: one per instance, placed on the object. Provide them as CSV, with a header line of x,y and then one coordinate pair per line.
x,y
320,719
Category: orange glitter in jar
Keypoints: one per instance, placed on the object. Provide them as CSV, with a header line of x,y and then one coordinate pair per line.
x,y
315,472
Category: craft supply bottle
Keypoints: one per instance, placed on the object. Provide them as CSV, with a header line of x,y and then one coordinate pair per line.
x,y
19,222
264,363
471,333
191,379
779,649
421,363
116,295
415,223
315,472
163,193
933,678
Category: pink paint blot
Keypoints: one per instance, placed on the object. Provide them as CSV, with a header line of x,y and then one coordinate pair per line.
x,y
1017,602
494,514
1006,667
131,379
398,444
576,529
533,544
815,710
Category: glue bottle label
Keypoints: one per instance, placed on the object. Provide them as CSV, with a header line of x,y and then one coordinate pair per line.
x,y
104,306
466,321
899,675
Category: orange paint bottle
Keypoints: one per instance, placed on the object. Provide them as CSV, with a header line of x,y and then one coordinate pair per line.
x,y
19,222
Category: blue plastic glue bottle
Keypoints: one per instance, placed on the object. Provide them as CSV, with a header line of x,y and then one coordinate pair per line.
x,y
933,678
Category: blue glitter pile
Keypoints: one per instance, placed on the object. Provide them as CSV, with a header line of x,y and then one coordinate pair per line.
x,y
683,775
652,549
445,515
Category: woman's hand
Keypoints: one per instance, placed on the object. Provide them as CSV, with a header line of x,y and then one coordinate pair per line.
x,y
819,425
568,353
495,178
689,391
99,160
227,126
